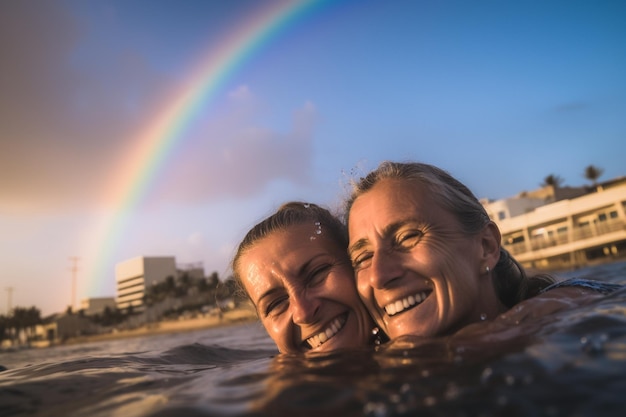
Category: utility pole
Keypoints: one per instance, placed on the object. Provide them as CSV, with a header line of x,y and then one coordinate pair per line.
x,y
74,269
9,300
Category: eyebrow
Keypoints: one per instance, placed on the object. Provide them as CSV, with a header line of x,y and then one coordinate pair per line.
x,y
267,294
301,271
387,231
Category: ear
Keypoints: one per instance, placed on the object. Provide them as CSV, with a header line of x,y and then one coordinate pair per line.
x,y
490,245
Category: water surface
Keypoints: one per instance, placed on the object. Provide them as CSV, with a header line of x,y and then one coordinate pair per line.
x,y
571,363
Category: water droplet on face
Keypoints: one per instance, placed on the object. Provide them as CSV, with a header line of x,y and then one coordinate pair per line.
x,y
312,237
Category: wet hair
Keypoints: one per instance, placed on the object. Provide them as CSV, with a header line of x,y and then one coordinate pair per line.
x,y
510,280
290,214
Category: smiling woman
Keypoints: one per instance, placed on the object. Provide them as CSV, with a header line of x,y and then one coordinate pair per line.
x,y
428,259
295,269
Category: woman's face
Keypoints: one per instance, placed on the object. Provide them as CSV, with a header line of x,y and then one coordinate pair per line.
x,y
302,285
417,271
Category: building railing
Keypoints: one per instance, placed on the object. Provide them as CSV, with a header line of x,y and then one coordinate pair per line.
x,y
579,233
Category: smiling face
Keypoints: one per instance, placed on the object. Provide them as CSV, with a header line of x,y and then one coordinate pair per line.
x,y
302,285
417,271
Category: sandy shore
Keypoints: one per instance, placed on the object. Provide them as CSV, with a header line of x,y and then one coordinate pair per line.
x,y
241,315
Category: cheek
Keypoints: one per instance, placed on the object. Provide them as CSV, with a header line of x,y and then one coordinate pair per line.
x,y
363,286
276,330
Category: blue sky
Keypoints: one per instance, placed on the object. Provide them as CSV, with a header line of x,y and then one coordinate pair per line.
x,y
500,94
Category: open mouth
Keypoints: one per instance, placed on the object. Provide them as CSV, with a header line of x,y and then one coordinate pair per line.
x,y
406,303
328,333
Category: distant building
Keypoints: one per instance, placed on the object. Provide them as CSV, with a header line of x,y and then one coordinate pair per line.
x,y
555,228
62,326
93,306
194,270
135,275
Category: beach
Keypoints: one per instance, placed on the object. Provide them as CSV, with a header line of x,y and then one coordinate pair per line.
x,y
242,314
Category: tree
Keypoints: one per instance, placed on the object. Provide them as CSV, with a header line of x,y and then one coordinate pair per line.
x,y
213,280
592,173
552,180
24,318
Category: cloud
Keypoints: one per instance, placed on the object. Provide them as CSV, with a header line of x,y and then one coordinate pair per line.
x,y
236,157
66,121
63,124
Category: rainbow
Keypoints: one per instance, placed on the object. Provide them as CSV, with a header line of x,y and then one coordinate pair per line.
x,y
142,164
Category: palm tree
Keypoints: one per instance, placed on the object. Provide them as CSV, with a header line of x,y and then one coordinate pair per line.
x,y
552,180
592,173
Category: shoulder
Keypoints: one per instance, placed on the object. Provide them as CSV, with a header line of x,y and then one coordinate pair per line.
x,y
597,286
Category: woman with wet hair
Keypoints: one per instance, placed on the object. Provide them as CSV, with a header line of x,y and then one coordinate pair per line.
x,y
294,267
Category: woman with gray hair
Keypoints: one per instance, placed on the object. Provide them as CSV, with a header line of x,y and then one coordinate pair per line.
x,y
429,261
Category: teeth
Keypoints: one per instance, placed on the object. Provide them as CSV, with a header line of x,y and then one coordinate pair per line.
x,y
323,336
401,305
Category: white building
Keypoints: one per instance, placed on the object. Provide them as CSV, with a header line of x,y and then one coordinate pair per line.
x,y
93,306
135,275
570,232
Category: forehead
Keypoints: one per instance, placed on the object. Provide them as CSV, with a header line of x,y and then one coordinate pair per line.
x,y
394,199
278,259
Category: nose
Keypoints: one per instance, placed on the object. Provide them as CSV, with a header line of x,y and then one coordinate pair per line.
x,y
385,268
304,309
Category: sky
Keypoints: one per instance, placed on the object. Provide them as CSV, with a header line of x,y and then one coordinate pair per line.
x,y
500,94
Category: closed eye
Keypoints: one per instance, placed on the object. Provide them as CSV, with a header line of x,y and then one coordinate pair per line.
x,y
277,306
318,275
409,238
361,260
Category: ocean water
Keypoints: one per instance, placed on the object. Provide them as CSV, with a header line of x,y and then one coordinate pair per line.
x,y
571,363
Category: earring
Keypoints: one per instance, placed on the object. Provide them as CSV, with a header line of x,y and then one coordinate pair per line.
x,y
487,269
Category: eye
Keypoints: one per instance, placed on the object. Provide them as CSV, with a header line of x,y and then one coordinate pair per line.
x,y
318,275
276,306
409,238
360,260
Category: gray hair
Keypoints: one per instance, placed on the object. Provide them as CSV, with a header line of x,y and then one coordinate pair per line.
x,y
509,278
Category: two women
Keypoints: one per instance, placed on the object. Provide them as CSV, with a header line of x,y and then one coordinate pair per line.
x,y
426,256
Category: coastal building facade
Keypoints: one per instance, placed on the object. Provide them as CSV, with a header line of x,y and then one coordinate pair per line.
x,y
555,230
93,306
135,275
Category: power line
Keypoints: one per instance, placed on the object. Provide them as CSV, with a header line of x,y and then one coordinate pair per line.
x,y
74,269
9,300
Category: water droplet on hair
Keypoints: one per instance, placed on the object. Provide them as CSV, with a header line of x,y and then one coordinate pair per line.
x,y
483,316
307,205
